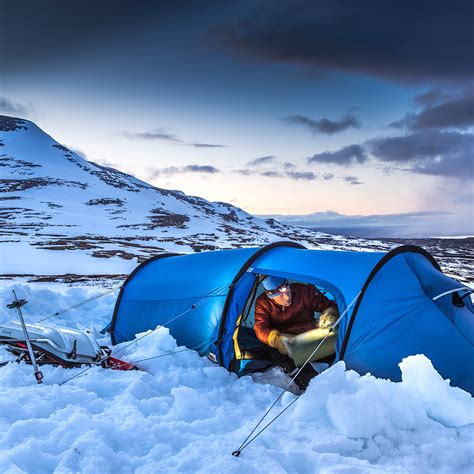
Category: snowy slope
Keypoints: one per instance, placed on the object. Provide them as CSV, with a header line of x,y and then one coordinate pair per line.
x,y
52,200
184,414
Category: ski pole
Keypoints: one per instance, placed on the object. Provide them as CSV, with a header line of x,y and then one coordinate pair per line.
x,y
18,304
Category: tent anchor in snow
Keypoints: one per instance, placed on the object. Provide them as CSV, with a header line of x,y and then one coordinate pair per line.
x,y
404,305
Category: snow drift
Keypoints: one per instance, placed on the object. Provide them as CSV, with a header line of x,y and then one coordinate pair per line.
x,y
184,414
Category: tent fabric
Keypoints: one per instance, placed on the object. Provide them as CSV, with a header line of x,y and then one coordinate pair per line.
x,y
163,289
200,298
398,317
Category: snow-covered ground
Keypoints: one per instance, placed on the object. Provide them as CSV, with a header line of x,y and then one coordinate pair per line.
x,y
182,413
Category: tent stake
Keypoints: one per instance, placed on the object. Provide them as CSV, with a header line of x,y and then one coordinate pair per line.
x,y
18,304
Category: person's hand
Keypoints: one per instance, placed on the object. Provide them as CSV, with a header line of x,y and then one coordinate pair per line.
x,y
279,342
328,318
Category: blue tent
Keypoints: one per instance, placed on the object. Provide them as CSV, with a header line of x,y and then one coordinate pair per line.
x,y
398,304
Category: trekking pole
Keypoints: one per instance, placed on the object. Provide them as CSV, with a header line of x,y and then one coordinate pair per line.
x,y
18,304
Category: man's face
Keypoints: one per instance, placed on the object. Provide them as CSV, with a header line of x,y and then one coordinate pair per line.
x,y
283,297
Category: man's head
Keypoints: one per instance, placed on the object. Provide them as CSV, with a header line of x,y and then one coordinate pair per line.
x,y
278,290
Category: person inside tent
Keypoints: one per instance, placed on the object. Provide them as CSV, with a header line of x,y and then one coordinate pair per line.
x,y
285,310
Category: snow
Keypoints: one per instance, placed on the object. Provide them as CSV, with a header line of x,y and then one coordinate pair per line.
x,y
182,413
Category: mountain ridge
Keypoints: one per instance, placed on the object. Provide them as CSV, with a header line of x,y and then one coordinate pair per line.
x,y
63,217
52,199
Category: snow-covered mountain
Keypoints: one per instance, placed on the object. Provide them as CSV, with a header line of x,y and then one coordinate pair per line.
x,y
53,200
61,214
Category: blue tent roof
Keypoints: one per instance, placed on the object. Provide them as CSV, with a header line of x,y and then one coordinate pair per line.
x,y
392,314
162,288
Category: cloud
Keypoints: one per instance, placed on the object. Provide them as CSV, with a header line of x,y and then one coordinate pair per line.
x,y
352,180
285,174
420,145
156,134
271,174
9,107
458,114
439,153
263,160
465,199
302,175
160,134
345,156
52,30
399,41
245,172
431,152
205,145
324,125
431,97
201,169
174,170
457,166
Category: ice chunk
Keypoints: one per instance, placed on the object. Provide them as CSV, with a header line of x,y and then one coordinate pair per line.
x,y
444,403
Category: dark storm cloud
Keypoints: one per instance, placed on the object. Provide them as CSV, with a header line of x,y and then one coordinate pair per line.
x,y
43,32
431,97
432,152
438,153
176,170
407,40
457,113
324,125
352,179
263,160
10,107
345,156
421,145
457,166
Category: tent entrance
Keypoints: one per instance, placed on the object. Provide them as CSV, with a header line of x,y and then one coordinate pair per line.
x,y
252,355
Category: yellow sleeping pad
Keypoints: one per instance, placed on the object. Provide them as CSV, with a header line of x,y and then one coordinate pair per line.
x,y
301,346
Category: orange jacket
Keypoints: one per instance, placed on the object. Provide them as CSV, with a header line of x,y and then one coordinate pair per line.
x,y
294,319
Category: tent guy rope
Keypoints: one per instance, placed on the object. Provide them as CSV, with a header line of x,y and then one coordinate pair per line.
x,y
81,303
247,440
194,306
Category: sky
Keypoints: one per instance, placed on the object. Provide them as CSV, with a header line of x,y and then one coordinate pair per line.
x,y
290,108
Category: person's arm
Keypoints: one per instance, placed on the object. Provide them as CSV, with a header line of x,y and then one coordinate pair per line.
x,y
263,322
265,331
